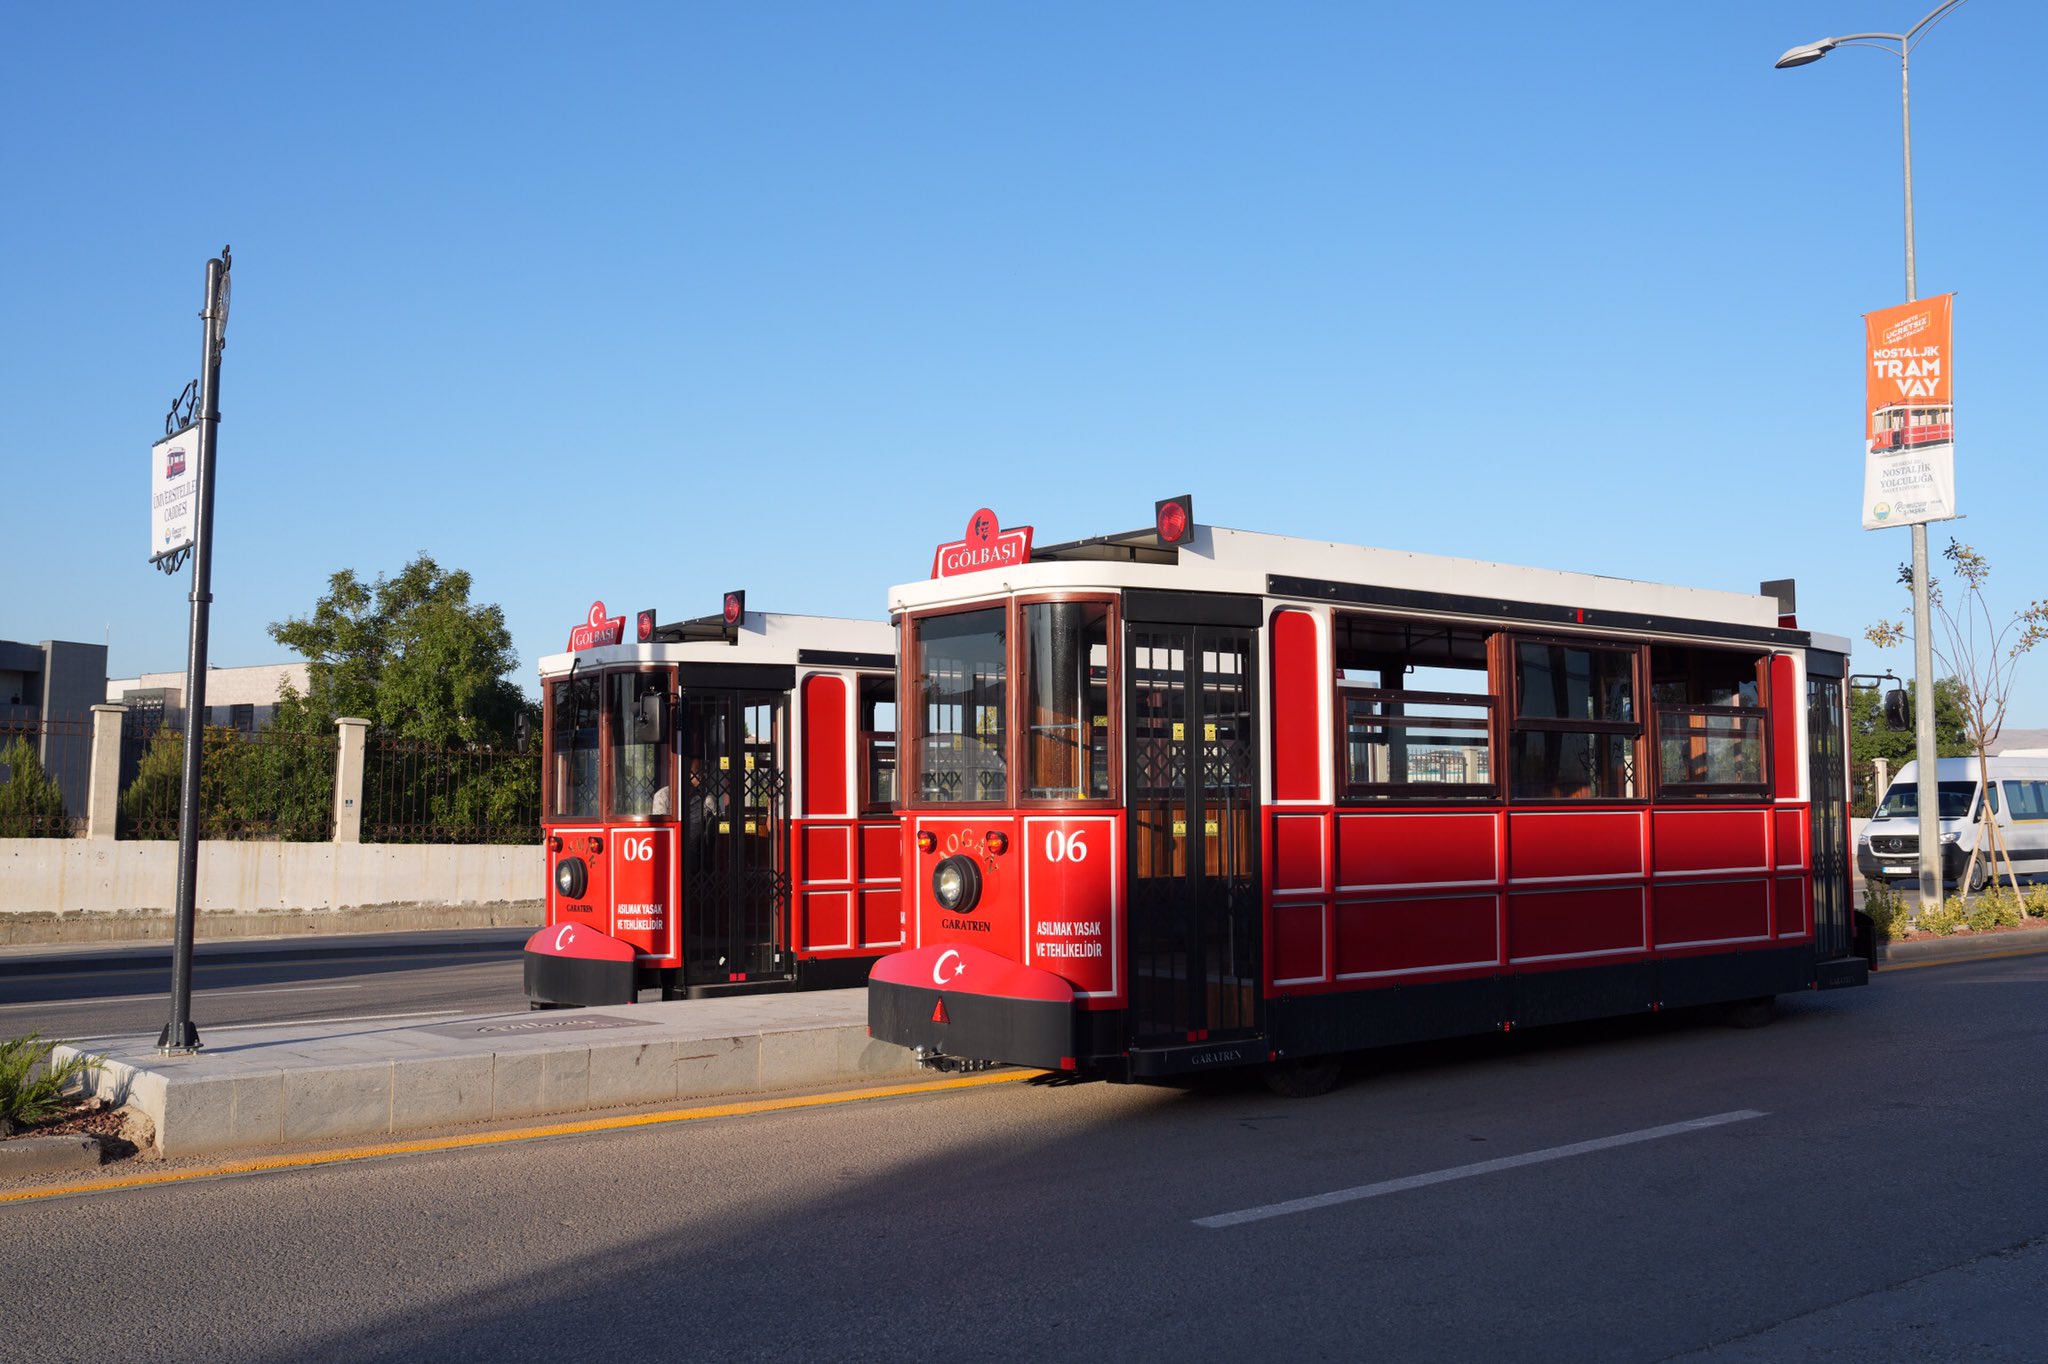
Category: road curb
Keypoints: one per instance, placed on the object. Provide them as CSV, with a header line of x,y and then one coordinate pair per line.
x,y
1962,947
26,1157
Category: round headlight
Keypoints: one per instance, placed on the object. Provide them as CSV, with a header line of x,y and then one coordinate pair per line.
x,y
956,883
572,878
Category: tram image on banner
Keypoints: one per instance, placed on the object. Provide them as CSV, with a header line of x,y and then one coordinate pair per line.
x,y
717,807
1906,426
1189,798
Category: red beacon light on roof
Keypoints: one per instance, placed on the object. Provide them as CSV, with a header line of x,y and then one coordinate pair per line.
x,y
735,608
644,627
1174,519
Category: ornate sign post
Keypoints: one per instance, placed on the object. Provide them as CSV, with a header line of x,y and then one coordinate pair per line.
x,y
173,536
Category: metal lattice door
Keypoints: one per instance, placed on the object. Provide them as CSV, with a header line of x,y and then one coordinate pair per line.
x,y
1193,778
1829,778
735,877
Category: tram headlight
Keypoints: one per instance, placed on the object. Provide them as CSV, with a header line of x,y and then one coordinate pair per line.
x,y
956,883
572,878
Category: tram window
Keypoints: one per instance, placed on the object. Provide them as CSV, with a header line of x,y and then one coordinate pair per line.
x,y
640,743
1066,652
573,741
962,686
1575,723
877,743
1416,709
1710,723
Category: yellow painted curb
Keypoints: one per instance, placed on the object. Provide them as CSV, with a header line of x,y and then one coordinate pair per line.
x,y
1885,969
744,1108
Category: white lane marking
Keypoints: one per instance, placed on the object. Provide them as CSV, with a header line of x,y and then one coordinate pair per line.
x,y
210,994
286,1023
1484,1167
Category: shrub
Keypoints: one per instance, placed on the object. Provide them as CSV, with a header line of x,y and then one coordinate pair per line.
x,y
31,806
1887,910
31,1088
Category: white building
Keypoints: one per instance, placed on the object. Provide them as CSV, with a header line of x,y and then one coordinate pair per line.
x,y
240,698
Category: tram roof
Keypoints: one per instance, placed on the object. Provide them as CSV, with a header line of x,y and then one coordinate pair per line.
x,y
762,637
1287,568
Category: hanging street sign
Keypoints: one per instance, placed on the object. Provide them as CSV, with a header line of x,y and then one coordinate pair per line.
x,y
1909,452
173,493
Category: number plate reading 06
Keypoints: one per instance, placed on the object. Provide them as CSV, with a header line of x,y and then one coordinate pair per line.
x,y
1070,867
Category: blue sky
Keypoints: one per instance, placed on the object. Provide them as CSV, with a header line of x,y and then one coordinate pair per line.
x,y
643,303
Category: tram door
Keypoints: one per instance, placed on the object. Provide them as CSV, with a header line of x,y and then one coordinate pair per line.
x,y
735,881
1829,778
1192,780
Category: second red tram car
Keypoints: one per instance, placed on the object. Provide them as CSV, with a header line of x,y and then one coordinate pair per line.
x,y
1191,798
717,809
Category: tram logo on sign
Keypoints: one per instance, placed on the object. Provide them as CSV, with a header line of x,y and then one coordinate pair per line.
x,y
986,545
596,630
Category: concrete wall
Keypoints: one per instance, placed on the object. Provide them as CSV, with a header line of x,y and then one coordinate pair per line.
x,y
98,890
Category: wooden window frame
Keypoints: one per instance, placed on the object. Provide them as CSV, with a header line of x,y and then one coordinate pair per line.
x,y
1514,723
910,755
1020,701
1712,793
863,743
549,815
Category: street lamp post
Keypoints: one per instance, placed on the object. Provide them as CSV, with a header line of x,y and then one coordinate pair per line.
x,y
1923,637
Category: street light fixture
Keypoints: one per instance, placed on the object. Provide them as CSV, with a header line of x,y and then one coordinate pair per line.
x,y
1923,641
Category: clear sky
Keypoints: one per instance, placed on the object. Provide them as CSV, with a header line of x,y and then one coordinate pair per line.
x,y
647,302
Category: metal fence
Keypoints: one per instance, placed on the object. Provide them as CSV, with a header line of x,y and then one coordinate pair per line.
x,y
45,770
416,792
269,784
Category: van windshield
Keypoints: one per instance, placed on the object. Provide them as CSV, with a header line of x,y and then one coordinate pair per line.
x,y
1903,800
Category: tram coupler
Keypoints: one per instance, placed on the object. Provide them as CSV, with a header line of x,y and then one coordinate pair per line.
x,y
951,1065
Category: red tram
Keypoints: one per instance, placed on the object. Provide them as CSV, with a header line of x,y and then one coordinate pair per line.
x,y
1189,798
717,807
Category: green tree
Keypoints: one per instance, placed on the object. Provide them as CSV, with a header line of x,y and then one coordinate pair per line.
x,y
31,806
1870,740
411,654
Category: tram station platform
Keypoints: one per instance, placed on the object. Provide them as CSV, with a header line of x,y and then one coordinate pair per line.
x,y
263,1086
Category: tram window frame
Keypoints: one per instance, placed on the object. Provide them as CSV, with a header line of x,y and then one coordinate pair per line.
x,y
1518,726
911,720
1350,653
557,686
1024,764
1680,676
664,744
873,690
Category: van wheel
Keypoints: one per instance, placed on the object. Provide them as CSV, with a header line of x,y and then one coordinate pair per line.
x,y
1982,877
1751,1013
1306,1079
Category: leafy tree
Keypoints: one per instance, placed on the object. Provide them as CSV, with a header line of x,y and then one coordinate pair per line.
x,y
411,654
1983,649
1870,740
31,806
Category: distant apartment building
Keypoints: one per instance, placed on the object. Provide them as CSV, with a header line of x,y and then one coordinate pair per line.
x,y
236,698
47,692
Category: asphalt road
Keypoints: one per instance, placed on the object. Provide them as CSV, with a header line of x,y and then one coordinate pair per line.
x,y
1869,1188
123,992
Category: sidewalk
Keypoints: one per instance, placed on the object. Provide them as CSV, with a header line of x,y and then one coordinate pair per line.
x,y
266,1084
262,1085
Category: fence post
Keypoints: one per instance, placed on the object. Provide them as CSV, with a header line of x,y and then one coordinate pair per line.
x,y
1881,771
103,784
348,780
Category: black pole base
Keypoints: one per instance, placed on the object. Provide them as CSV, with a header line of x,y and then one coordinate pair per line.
x,y
186,1043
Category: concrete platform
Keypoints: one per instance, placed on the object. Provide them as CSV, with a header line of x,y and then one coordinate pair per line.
x,y
269,1084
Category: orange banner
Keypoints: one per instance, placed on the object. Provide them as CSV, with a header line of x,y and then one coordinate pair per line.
x,y
1909,413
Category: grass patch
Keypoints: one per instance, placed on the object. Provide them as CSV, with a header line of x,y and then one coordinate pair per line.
x,y
31,1087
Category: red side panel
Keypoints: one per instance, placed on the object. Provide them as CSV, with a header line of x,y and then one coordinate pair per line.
x,y
1298,686
1786,707
881,850
1410,850
825,720
1578,844
1298,942
1574,924
1790,829
1698,841
1380,937
1792,900
1699,913
828,852
1298,853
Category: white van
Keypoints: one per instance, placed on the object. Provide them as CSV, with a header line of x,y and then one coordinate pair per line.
x,y
2017,795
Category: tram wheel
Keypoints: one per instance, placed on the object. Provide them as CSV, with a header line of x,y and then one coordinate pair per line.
x,y
1752,1013
1305,1079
